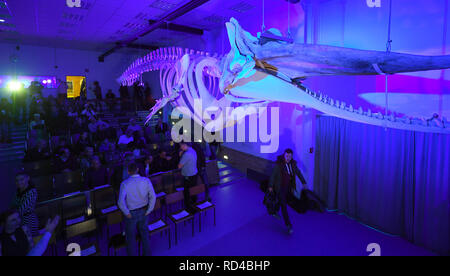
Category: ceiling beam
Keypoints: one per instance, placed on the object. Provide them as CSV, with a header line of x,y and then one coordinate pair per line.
x,y
191,5
179,28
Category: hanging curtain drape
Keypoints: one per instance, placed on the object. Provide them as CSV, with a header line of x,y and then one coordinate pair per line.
x,y
396,181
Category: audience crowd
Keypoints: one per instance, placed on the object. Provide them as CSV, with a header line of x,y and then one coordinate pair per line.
x,y
76,136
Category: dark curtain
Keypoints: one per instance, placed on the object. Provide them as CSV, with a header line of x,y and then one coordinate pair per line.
x,y
396,181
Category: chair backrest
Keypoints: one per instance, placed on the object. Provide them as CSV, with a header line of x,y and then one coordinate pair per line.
x,y
167,182
157,204
44,187
81,228
196,190
174,197
68,182
177,178
115,217
103,198
38,168
157,182
73,207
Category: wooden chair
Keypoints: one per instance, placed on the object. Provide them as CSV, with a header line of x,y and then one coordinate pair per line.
x,y
104,201
117,241
181,215
81,229
73,209
203,206
38,168
157,182
159,225
44,186
68,183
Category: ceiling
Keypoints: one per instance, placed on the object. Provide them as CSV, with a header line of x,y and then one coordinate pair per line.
x,y
99,24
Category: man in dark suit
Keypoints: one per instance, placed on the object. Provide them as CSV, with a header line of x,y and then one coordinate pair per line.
x,y
282,181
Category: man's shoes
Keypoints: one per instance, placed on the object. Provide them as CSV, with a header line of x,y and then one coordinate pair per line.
x,y
277,216
290,230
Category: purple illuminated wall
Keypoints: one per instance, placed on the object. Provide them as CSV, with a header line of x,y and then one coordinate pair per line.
x,y
418,27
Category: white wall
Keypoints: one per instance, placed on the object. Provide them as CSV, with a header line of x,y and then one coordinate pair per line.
x,y
40,61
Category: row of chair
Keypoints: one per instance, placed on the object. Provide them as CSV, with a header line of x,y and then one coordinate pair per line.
x,y
167,208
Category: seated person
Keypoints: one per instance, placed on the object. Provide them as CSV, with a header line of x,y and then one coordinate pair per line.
x,y
85,158
82,143
16,240
65,162
106,145
79,125
37,122
163,162
88,111
110,95
96,175
126,138
97,125
39,152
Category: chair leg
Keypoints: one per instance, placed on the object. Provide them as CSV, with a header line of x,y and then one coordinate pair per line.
x,y
176,238
169,237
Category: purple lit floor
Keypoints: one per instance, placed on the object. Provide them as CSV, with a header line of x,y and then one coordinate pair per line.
x,y
245,228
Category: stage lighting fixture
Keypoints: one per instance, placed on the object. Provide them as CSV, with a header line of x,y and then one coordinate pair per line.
x,y
225,157
14,86
44,81
2,20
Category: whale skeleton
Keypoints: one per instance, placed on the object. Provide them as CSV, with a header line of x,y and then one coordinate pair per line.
x,y
255,73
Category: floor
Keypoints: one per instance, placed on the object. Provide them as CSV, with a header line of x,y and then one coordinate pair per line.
x,y
245,229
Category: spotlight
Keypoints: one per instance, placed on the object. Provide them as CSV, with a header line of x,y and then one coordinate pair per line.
x,y
44,81
14,86
225,157
2,20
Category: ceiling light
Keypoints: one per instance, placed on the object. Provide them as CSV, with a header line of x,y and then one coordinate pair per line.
x,y
2,20
14,85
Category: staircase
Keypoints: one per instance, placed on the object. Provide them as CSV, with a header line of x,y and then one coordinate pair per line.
x,y
228,174
15,150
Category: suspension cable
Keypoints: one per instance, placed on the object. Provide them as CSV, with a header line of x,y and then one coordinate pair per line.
x,y
263,27
289,19
388,50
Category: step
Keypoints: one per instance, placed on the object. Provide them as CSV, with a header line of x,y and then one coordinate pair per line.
x,y
13,147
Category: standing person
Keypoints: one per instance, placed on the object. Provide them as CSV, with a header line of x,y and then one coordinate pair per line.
x,y
25,202
136,200
98,94
201,167
188,166
282,181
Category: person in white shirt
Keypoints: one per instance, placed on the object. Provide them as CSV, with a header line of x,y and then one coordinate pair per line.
x,y
126,138
136,200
